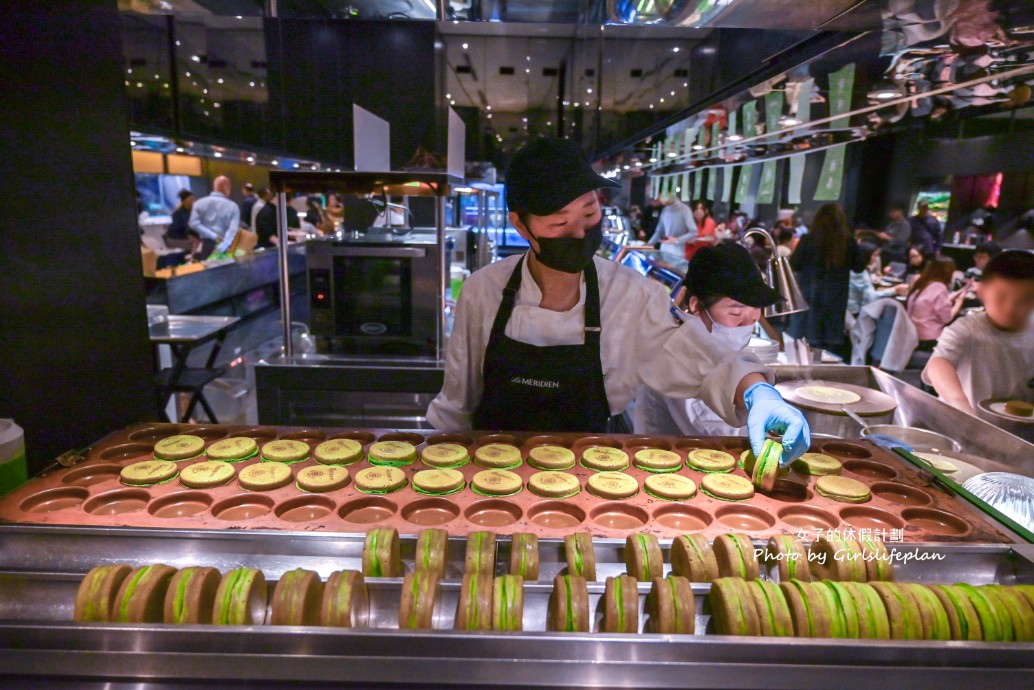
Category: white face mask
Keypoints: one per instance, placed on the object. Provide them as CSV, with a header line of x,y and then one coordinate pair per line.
x,y
734,337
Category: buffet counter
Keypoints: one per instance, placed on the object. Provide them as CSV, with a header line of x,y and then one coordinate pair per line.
x,y
76,518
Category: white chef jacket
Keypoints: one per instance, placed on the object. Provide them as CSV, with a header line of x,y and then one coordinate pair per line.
x,y
640,344
659,414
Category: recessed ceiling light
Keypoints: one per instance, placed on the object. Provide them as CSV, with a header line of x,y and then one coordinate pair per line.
x,y
625,167
662,100
251,159
218,155
275,162
464,46
653,160
490,116
787,121
488,107
685,84
672,154
179,149
195,58
638,164
651,106
734,137
675,49
672,93
588,91
219,80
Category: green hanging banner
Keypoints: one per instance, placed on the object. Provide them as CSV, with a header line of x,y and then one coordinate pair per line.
x,y
750,116
841,84
743,185
766,187
685,185
832,175
698,182
712,182
773,111
797,163
727,182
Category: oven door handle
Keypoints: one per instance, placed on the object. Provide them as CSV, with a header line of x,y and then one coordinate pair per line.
x,y
383,252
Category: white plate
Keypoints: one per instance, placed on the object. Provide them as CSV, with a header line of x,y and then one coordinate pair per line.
x,y
999,409
827,395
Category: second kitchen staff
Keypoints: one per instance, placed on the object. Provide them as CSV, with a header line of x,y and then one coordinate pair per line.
x,y
559,339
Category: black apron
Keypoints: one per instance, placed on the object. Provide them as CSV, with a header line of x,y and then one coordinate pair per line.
x,y
538,388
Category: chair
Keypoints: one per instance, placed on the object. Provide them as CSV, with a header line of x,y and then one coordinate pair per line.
x,y
884,333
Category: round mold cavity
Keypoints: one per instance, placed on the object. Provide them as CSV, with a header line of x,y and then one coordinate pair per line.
x,y
153,434
863,517
209,433
363,437
493,513
52,500
590,441
694,444
900,494
682,518
556,515
808,518
307,435
935,522
787,491
870,470
366,511
127,451
180,505
736,446
545,440
430,512
259,434
640,442
118,502
619,516
88,475
498,438
851,451
242,507
304,508
415,439
744,518
460,439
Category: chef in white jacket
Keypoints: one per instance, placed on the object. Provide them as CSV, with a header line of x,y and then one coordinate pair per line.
x,y
726,293
558,339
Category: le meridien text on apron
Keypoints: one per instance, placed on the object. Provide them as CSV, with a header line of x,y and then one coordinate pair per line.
x,y
537,383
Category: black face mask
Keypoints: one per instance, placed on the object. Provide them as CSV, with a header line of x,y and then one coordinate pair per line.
x,y
570,254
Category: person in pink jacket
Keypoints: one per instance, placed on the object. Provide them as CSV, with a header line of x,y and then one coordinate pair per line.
x,y
930,305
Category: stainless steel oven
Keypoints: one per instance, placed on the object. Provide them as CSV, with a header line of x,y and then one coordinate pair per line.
x,y
378,293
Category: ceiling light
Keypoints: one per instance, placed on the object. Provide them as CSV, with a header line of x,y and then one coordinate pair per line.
x,y
251,83
219,80
204,90
624,167
662,100
524,119
638,164
678,190
675,49
653,160
685,84
734,137
448,95
250,159
566,103
313,167
177,43
588,91
216,105
788,121
195,58
527,70
129,71
452,102
274,162
187,73
698,147
464,46
218,155
672,93
488,107
651,106
139,85
672,154
490,116
549,124
295,165
179,149
586,104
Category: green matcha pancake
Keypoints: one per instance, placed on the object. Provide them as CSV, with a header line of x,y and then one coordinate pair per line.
x,y
817,464
500,456
551,458
843,489
710,461
322,478
445,455
554,484
438,482
148,472
178,448
233,449
605,459
612,485
338,451
204,475
285,450
670,487
392,453
496,483
380,480
657,460
265,476
727,487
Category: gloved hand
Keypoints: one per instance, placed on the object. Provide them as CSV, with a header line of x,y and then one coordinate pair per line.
x,y
767,411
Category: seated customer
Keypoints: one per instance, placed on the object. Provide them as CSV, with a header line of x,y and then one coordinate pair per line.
x,y
929,303
726,292
990,354
861,291
982,254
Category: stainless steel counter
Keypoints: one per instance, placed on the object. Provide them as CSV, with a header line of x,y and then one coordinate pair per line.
x,y
991,448
40,568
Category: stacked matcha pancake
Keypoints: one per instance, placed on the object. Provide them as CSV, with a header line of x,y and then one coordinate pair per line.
x,y
671,606
431,551
581,555
643,558
382,553
488,603
524,556
569,605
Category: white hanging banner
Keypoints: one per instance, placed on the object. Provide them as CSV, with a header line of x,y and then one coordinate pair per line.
x,y
793,193
457,146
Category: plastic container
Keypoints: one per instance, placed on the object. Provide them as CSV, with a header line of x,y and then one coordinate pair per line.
x,y
13,470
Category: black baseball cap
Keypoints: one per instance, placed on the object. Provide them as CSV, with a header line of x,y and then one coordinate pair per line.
x,y
548,174
728,270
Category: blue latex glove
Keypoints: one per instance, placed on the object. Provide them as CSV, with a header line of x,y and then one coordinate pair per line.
x,y
767,411
888,442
